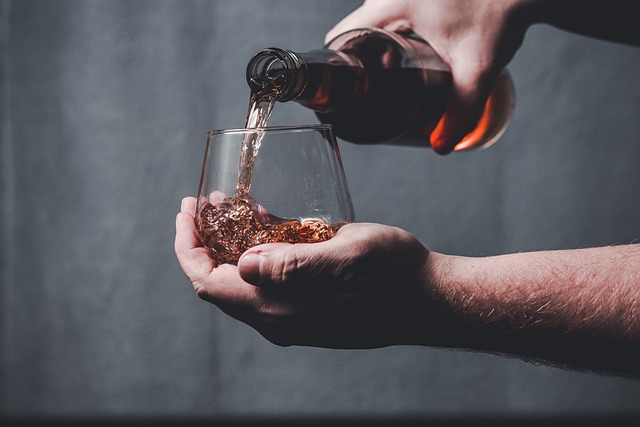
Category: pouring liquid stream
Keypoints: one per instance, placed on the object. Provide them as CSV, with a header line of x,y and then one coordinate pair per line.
x,y
231,225
260,107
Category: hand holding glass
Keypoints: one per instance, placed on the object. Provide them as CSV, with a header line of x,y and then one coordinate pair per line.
x,y
266,185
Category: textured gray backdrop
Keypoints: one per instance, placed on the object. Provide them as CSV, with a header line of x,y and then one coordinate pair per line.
x,y
104,108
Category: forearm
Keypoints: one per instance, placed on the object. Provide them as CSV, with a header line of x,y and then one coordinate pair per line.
x,y
613,20
575,307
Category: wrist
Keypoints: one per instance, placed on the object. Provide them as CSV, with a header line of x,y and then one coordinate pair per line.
x,y
462,295
446,280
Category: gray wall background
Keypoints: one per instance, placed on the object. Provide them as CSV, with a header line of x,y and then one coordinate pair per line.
x,y
104,108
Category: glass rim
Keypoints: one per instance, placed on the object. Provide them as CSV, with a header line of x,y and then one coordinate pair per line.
x,y
269,129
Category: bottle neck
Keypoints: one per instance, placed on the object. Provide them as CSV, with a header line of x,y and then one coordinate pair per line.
x,y
277,70
322,79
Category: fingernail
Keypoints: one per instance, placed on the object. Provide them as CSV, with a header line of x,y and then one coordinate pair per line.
x,y
182,207
249,267
439,141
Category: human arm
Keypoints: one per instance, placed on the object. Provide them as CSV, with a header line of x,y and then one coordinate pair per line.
x,y
478,38
374,286
575,308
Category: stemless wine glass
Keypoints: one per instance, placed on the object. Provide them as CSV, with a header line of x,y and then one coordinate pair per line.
x,y
272,184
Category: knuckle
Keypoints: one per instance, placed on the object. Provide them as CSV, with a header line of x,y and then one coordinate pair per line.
x,y
288,270
201,290
206,283
471,74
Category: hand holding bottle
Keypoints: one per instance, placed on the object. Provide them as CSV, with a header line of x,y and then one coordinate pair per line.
x,y
475,38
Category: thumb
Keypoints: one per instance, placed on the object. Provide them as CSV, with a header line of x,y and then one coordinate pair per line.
x,y
284,264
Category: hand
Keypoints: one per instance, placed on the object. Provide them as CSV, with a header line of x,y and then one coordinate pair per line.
x,y
373,286
476,38
364,288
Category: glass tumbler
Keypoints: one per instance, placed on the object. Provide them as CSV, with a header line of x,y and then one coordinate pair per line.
x,y
272,184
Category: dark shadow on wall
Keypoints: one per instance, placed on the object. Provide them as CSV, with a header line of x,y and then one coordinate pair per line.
x,y
494,421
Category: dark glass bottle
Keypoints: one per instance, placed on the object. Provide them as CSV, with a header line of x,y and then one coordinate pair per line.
x,y
376,86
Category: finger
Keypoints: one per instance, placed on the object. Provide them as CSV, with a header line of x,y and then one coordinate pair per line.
x,y
188,205
262,310
237,298
310,264
217,197
369,14
468,98
224,287
194,259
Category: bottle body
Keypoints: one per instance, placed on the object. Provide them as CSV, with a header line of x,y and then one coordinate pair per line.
x,y
376,86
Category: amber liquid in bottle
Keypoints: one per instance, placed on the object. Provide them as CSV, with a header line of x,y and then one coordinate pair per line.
x,y
374,86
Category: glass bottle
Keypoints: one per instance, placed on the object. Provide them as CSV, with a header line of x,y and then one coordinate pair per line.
x,y
376,86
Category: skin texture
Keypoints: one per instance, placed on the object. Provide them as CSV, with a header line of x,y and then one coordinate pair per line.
x,y
458,32
373,285
573,308
369,307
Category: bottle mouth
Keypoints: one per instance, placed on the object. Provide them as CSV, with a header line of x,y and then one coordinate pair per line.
x,y
270,69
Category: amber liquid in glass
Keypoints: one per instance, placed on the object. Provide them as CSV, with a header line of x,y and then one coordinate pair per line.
x,y
232,226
